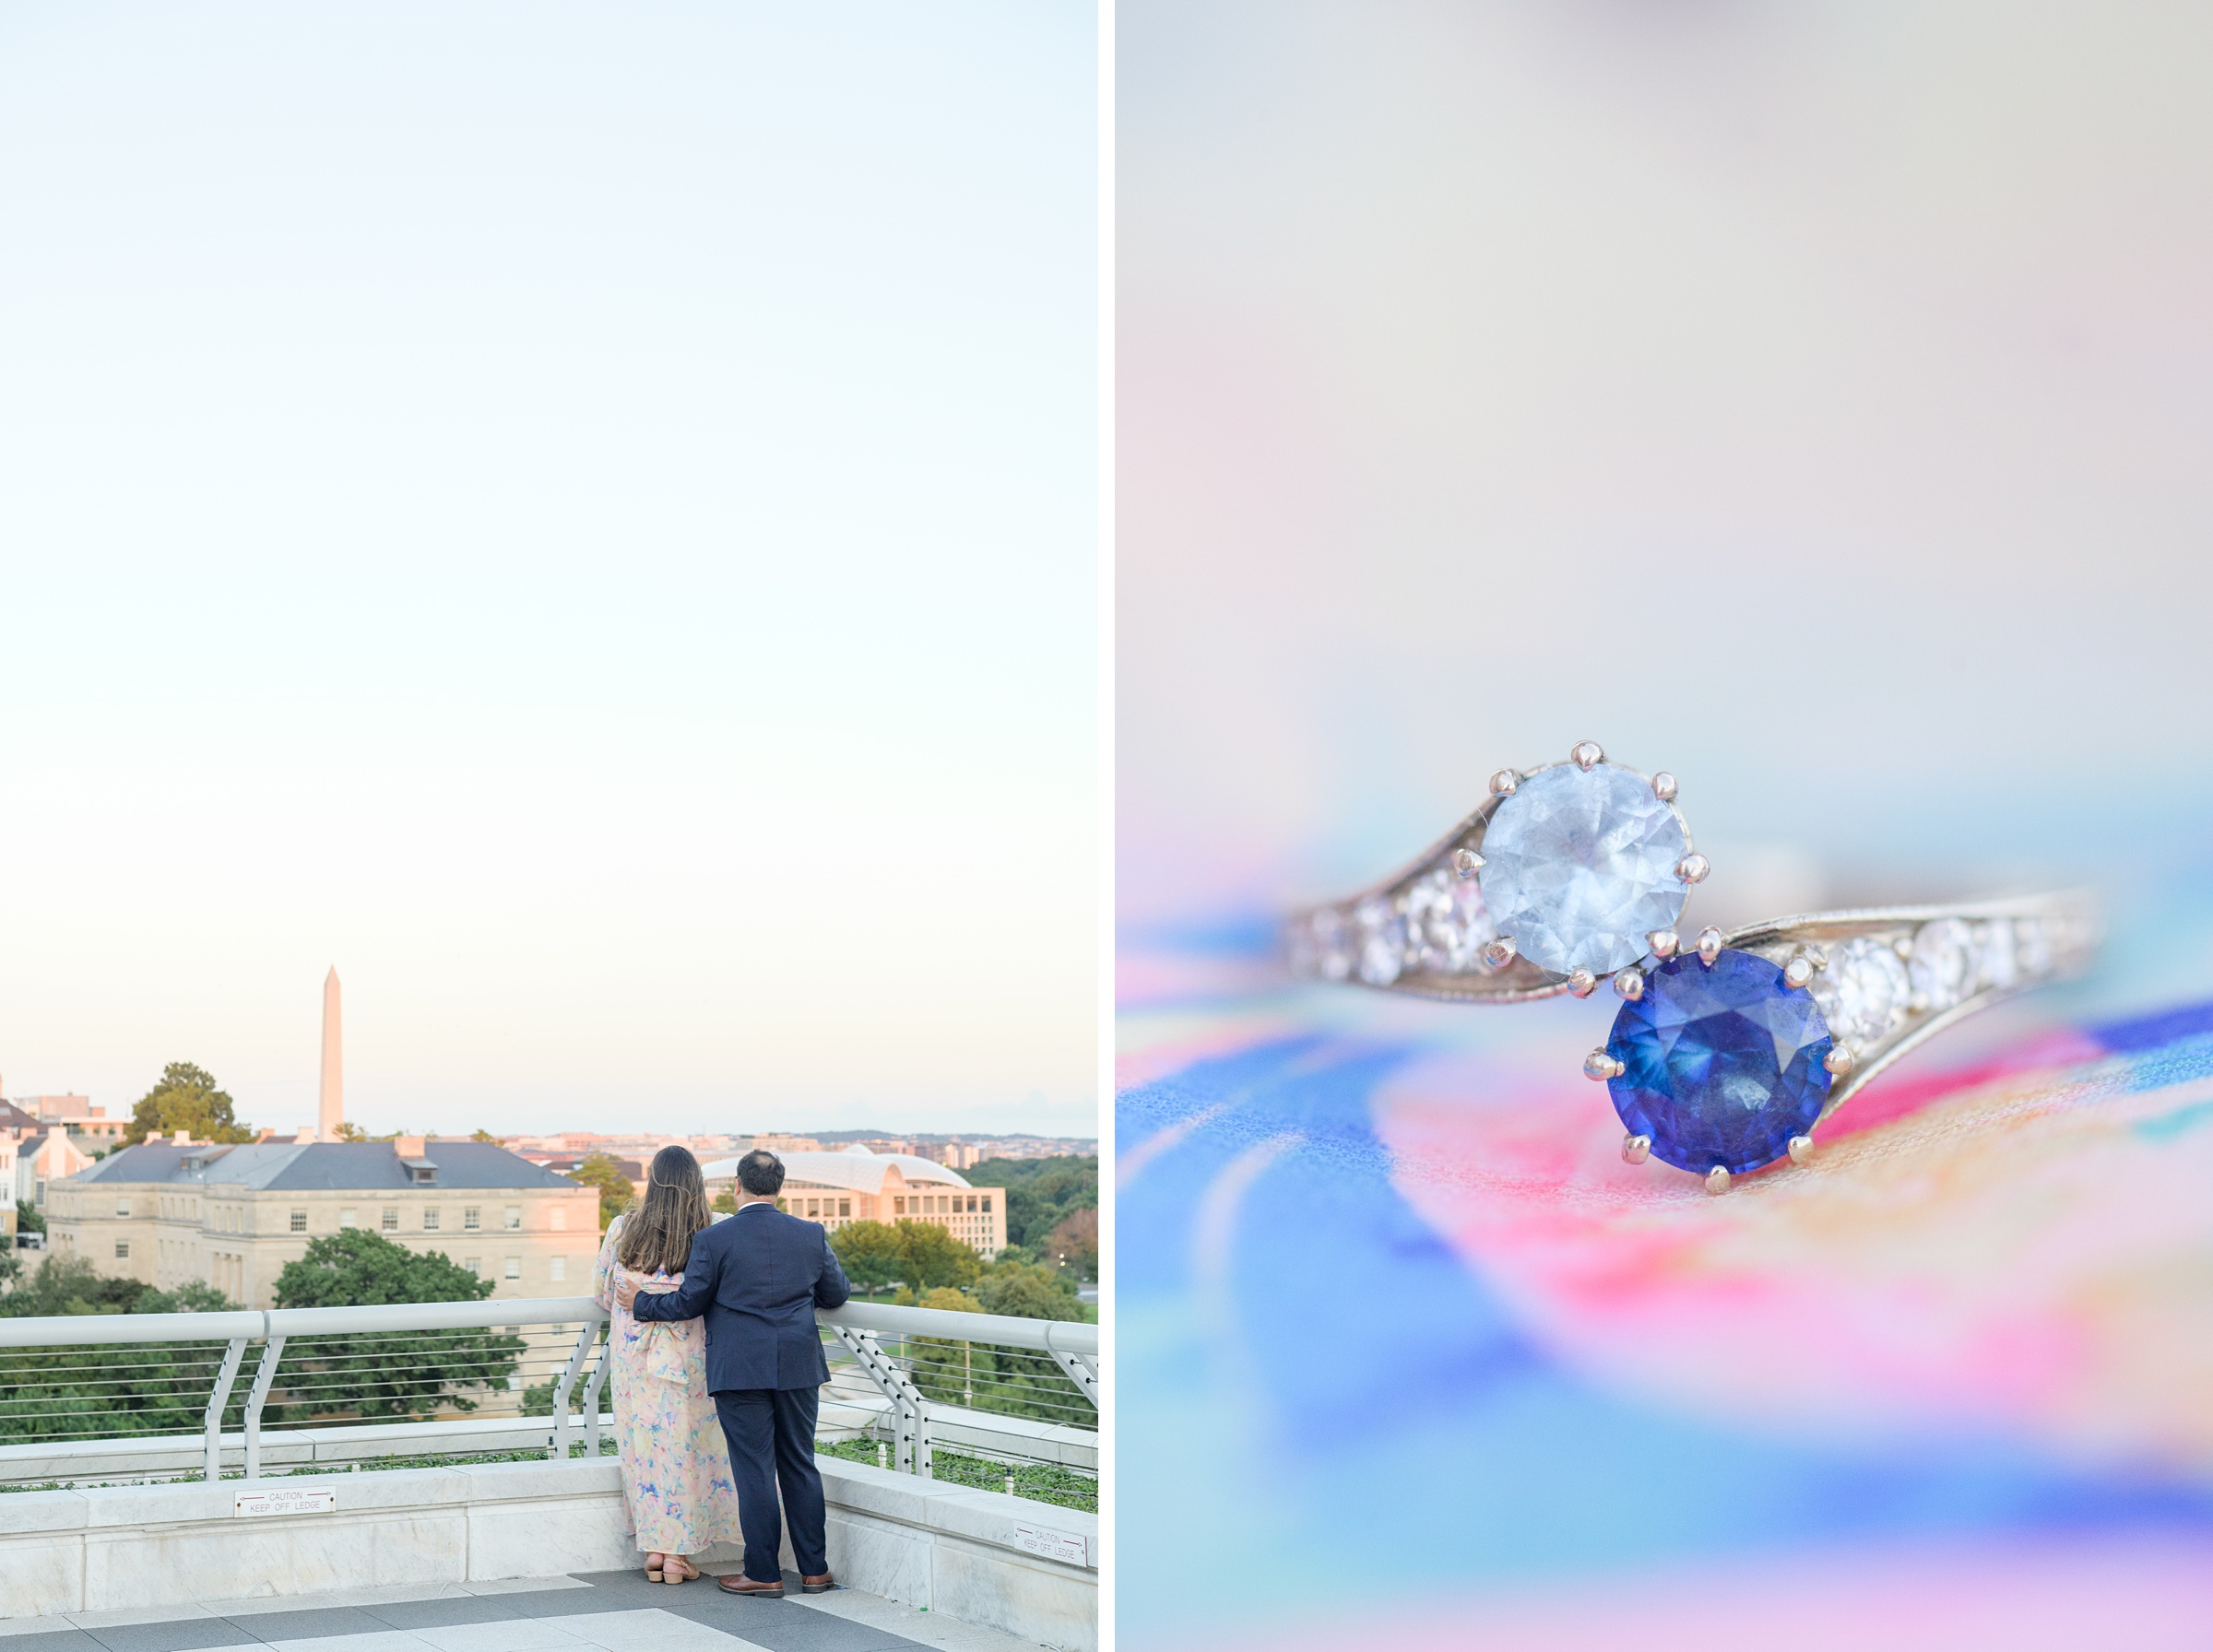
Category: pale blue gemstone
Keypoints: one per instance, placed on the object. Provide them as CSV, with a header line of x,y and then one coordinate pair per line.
x,y
1579,867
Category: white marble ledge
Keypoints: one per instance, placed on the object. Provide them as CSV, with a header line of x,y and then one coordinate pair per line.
x,y
963,1511
42,1511
161,1505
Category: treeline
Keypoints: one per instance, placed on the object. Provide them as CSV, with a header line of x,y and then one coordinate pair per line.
x,y
1052,1208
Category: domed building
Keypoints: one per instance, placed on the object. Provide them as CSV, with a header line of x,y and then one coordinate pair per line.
x,y
860,1185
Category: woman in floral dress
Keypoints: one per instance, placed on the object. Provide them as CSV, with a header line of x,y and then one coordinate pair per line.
x,y
676,1467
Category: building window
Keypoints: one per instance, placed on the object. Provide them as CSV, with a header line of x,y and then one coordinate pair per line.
x,y
122,1250
430,1219
475,1265
898,1206
561,1268
515,1268
345,1217
845,1206
815,1207
559,1221
391,1220
986,1204
471,1218
298,1222
514,1219
123,1207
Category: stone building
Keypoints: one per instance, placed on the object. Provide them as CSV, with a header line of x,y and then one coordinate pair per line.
x,y
167,1211
859,1185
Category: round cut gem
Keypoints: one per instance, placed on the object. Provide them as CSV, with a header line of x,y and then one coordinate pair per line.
x,y
1999,961
1721,1064
1382,942
1943,964
1579,867
1862,993
1447,927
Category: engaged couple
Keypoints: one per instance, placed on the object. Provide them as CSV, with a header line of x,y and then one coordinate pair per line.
x,y
718,1370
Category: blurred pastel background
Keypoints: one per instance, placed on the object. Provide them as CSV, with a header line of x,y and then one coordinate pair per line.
x,y
1814,402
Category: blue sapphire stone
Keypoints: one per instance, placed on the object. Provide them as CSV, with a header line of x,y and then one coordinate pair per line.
x,y
1721,1064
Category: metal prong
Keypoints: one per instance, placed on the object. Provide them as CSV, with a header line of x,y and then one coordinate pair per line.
x,y
1663,943
1798,971
1501,952
1838,1061
1801,1149
1504,781
1663,787
1693,867
1586,755
1629,983
1717,1180
1634,1149
1466,862
1710,945
1599,1067
1903,946
1582,982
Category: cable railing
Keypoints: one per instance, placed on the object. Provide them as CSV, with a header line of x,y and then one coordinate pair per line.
x,y
978,1397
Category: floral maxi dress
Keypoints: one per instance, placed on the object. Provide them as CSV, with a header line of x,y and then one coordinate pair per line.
x,y
676,1467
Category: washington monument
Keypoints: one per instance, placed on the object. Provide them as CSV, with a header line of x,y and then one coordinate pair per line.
x,y
330,1110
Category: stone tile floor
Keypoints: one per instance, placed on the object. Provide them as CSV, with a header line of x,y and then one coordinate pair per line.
x,y
598,1611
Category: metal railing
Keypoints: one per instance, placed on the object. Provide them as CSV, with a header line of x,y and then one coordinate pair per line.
x,y
995,1389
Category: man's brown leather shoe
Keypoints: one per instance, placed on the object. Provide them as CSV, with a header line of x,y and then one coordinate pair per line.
x,y
739,1584
817,1586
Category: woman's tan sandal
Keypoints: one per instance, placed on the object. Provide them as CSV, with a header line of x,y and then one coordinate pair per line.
x,y
679,1570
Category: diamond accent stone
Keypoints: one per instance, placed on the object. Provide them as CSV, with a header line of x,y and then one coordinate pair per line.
x,y
1382,942
1943,964
1998,963
1322,946
1864,992
1721,1063
1579,867
1446,926
2032,946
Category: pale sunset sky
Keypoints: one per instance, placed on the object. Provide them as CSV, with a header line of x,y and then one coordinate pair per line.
x,y
584,519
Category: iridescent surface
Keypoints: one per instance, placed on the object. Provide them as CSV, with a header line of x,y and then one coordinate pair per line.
x,y
1721,1064
1579,867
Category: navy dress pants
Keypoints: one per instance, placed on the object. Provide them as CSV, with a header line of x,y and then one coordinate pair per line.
x,y
771,1435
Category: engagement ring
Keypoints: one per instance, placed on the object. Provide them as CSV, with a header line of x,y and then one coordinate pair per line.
x,y
1568,874
1724,1057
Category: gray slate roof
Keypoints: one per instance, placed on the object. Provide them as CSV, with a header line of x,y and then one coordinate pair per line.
x,y
348,1166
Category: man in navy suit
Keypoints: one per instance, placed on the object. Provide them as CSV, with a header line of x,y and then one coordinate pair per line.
x,y
757,1279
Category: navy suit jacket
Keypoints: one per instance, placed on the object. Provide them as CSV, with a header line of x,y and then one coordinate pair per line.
x,y
757,1279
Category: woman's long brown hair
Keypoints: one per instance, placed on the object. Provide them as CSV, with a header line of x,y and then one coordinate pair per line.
x,y
657,1236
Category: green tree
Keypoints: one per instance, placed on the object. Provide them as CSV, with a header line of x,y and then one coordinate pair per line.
x,y
350,1131
1000,1379
602,1170
869,1253
29,1218
186,1097
375,1377
1040,1192
1074,1243
929,1257
140,1389
483,1135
